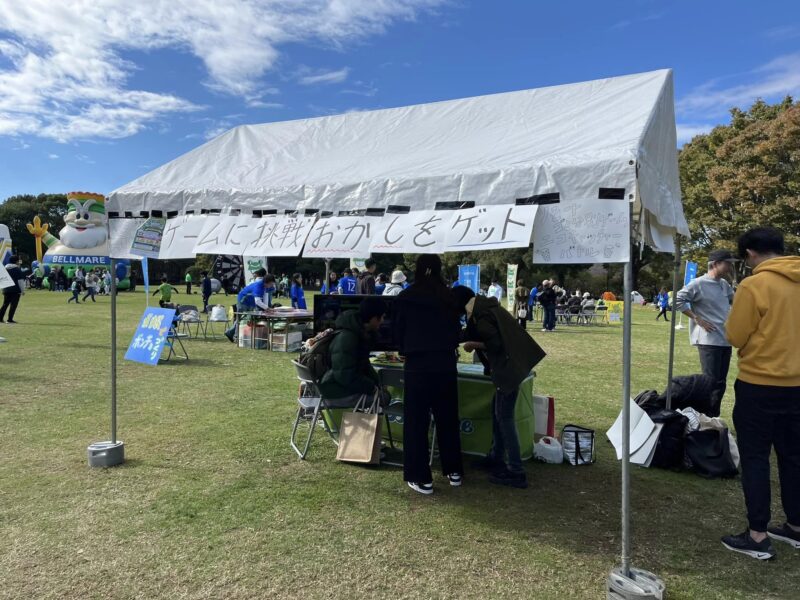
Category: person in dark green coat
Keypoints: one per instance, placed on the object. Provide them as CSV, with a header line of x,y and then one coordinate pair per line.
x,y
509,354
351,374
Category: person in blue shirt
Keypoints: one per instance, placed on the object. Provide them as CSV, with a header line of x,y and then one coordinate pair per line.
x,y
257,294
663,304
347,284
296,293
532,302
252,296
334,285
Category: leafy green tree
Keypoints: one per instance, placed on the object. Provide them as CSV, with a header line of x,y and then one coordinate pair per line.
x,y
17,211
743,175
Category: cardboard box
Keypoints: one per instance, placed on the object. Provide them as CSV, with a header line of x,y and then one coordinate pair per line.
x,y
286,342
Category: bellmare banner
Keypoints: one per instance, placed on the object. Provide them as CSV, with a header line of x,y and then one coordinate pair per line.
x,y
470,276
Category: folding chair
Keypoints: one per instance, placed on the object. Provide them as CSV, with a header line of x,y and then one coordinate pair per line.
x,y
210,325
174,338
601,313
587,314
186,320
309,405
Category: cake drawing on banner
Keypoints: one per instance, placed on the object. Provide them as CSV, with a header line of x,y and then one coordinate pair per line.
x,y
84,237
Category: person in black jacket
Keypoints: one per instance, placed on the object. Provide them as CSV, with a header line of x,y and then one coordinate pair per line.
x,y
12,293
365,284
205,286
548,298
509,354
427,327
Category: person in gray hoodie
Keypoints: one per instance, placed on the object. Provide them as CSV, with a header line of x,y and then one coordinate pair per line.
x,y
707,302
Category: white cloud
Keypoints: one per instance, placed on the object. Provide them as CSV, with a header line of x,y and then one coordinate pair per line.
x,y
68,77
686,131
52,156
325,77
771,81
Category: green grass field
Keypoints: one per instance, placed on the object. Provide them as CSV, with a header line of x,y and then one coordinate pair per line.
x,y
213,503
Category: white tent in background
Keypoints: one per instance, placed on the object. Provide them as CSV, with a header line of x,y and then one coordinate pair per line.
x,y
605,139
617,134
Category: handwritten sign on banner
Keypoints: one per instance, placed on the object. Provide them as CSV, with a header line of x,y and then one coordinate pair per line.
x,y
180,236
225,234
341,237
421,231
279,235
491,227
586,231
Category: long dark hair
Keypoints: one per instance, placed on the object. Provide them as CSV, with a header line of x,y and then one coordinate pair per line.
x,y
428,281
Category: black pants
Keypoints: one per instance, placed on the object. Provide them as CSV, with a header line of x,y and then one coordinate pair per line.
x,y
549,319
426,393
188,287
663,313
10,302
767,416
715,360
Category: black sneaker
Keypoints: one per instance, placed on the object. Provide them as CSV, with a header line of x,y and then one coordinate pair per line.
x,y
229,335
747,545
423,488
488,463
784,533
517,480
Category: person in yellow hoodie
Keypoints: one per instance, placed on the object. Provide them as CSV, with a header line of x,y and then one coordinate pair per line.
x,y
764,324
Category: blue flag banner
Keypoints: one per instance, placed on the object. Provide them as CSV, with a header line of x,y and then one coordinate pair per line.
x,y
146,275
691,272
470,276
150,336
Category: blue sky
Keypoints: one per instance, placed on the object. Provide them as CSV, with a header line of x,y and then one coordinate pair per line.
x,y
91,99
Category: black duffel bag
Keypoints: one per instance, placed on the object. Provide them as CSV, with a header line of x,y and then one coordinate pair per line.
x,y
708,453
669,452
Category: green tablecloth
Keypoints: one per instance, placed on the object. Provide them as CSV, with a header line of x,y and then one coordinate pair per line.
x,y
475,393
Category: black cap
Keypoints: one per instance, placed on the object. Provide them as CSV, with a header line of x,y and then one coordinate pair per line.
x,y
721,255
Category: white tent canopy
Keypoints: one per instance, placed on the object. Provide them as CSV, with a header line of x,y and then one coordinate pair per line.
x,y
572,140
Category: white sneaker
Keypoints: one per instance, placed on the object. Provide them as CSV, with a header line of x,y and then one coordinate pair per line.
x,y
422,488
543,329
455,479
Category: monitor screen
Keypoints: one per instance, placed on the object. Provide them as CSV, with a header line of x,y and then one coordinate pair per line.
x,y
327,308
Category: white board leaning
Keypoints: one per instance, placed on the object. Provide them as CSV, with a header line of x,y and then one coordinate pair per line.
x,y
588,231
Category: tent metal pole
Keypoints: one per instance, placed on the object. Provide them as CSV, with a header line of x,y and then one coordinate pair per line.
x,y
675,283
113,351
327,276
626,418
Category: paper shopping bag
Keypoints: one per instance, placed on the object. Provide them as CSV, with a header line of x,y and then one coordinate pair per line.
x,y
544,414
360,435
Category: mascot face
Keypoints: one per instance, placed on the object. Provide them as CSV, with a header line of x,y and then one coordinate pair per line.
x,y
85,224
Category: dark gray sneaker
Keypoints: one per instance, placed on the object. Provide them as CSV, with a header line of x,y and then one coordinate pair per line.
x,y
746,545
516,480
784,533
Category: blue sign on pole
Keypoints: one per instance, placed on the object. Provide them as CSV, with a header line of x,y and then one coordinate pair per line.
x,y
470,276
691,272
150,336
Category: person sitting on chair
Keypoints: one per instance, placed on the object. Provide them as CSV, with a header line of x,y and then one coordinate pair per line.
x,y
351,375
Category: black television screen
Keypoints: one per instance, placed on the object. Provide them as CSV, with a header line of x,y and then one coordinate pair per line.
x,y
327,308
